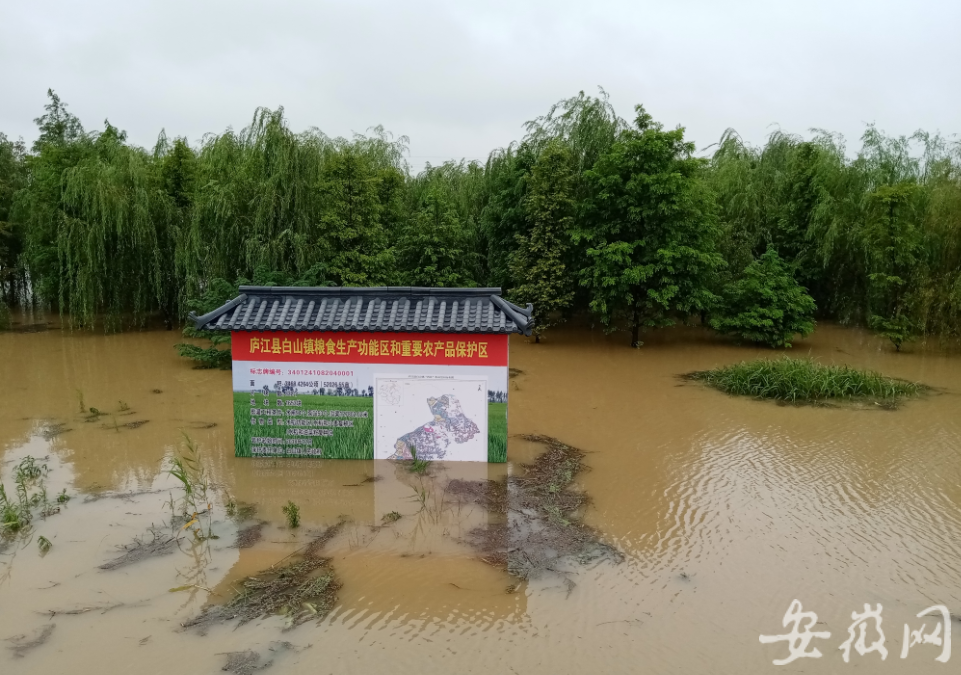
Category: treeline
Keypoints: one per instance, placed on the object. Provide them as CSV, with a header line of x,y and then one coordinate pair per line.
x,y
586,213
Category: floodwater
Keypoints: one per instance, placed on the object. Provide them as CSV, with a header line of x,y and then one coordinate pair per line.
x,y
725,510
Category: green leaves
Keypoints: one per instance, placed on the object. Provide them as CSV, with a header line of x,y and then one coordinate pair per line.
x,y
650,230
585,212
538,264
435,247
766,305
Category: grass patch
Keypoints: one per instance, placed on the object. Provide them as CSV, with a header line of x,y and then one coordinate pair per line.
x,y
355,442
497,432
804,381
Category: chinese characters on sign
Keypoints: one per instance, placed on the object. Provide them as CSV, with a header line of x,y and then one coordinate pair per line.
x,y
315,394
406,349
799,638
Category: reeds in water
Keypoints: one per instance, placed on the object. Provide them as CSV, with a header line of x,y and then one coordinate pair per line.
x,y
804,380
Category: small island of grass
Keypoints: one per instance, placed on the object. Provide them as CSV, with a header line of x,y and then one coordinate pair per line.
x,y
805,381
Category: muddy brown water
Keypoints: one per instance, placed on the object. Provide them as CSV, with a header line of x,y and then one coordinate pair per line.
x,y
725,510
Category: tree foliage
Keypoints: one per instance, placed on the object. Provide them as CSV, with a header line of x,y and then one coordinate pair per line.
x,y
582,214
539,262
650,230
766,305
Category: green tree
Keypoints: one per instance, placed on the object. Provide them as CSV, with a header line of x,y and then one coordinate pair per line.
x,y
435,248
353,237
766,305
650,230
13,176
537,265
61,145
503,218
895,252
112,233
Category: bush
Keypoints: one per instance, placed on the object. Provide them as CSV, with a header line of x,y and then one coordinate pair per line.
x,y
898,329
766,305
798,380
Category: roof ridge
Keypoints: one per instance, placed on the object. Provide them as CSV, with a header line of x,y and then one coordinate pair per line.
x,y
352,309
369,290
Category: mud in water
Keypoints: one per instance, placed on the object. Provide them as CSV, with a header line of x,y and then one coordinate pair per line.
x,y
538,528
693,519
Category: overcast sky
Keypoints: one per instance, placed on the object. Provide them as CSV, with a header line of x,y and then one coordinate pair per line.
x,y
460,78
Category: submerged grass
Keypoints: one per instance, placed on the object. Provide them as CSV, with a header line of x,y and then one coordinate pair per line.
x,y
303,588
804,380
539,528
17,509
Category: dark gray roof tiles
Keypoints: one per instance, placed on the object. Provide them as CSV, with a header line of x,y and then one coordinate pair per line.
x,y
383,309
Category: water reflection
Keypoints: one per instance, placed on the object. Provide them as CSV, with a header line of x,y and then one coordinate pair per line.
x,y
726,509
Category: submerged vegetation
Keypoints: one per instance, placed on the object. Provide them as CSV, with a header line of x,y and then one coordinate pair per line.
x,y
292,514
29,497
804,380
539,528
586,213
303,588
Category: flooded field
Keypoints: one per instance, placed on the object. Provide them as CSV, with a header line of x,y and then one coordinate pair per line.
x,y
711,515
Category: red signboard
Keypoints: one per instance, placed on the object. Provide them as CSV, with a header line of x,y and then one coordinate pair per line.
x,y
448,349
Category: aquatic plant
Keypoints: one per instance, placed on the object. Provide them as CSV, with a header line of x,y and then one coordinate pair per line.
x,y
16,514
157,544
292,513
800,380
189,471
13,516
548,528
304,588
416,465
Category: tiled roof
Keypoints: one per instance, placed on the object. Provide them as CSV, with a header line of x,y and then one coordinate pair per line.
x,y
383,309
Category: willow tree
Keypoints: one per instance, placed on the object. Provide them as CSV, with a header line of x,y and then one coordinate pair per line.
x,y
110,236
440,241
269,197
256,202
502,219
587,126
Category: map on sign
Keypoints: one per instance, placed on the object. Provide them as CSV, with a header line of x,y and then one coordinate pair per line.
x,y
433,418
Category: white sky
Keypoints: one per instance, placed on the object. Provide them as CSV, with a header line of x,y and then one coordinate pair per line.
x,y
459,78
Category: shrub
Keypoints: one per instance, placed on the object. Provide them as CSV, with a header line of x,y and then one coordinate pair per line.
x,y
766,305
